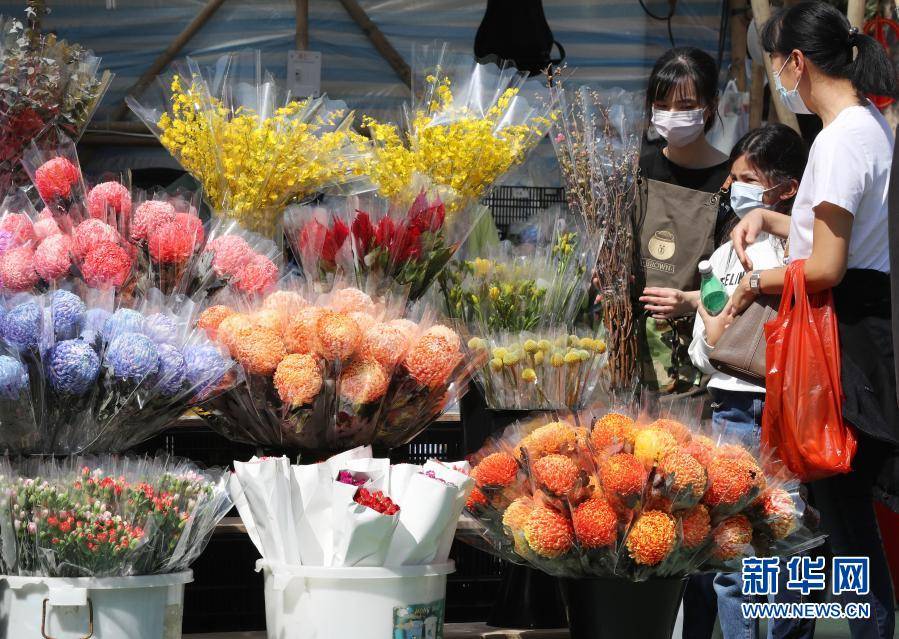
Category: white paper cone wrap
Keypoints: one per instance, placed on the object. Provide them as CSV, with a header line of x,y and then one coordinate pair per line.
x,y
239,499
427,507
266,487
455,473
361,535
400,475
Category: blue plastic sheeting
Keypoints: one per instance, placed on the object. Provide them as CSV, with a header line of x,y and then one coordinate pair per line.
x,y
611,41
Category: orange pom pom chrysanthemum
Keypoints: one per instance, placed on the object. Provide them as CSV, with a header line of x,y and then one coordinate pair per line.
x,y
476,499
348,300
701,448
548,532
259,350
623,475
730,481
611,429
338,336
229,329
732,536
652,537
595,523
386,344
550,439
300,332
779,512
298,379
434,356
674,428
363,382
516,515
651,445
687,476
496,470
212,317
288,302
269,318
558,474
696,525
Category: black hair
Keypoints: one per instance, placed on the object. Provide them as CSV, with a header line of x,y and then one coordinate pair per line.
x,y
685,64
826,38
776,151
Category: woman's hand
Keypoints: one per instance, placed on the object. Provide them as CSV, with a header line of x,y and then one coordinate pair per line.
x,y
668,303
745,233
742,298
715,325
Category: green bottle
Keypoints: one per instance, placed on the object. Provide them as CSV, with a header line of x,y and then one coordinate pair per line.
x,y
711,290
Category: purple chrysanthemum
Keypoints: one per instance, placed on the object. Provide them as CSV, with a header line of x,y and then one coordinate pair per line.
x,y
122,321
13,377
73,367
67,310
21,327
204,365
170,376
161,328
132,356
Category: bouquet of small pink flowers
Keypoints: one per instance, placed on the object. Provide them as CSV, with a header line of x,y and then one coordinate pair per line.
x,y
106,517
331,370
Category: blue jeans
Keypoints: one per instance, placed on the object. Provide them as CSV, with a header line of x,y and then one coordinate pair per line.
x,y
739,415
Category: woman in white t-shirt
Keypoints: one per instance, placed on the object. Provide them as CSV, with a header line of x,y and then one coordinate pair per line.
x,y
839,226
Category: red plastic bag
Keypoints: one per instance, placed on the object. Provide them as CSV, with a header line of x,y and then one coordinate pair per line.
x,y
802,419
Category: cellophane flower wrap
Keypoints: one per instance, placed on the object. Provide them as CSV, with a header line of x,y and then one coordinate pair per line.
x,y
597,141
45,83
548,368
520,288
101,377
404,246
252,145
331,369
350,510
469,124
106,516
80,232
633,495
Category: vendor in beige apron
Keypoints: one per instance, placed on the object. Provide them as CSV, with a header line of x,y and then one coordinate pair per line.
x,y
677,214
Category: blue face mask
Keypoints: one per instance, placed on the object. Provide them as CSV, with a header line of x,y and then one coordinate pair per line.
x,y
791,99
746,197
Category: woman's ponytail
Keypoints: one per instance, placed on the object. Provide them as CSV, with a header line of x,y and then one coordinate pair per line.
x,y
826,38
871,71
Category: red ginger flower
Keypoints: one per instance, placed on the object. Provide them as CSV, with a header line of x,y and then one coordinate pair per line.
x,y
319,241
427,217
548,532
55,178
652,537
557,473
363,233
496,470
595,523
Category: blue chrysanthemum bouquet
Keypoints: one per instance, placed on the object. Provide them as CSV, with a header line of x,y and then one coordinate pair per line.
x,y
79,375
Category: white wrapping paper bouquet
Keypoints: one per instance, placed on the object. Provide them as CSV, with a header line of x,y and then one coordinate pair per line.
x,y
351,510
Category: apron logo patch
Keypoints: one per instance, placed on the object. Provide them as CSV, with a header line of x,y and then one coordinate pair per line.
x,y
662,245
655,265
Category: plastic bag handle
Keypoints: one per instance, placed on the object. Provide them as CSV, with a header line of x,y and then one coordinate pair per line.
x,y
90,620
794,286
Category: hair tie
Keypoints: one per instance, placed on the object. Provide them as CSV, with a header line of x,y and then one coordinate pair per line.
x,y
853,34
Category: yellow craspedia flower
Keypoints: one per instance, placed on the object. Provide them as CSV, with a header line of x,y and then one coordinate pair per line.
x,y
529,375
530,346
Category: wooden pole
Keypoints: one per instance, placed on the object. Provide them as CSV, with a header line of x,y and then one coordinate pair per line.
x,y
756,96
761,11
379,40
169,54
855,11
739,23
302,38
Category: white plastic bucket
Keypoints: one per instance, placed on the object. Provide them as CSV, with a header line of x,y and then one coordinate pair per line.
x,y
310,602
146,607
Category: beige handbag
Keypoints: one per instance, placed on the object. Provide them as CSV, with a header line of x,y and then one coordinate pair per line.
x,y
740,352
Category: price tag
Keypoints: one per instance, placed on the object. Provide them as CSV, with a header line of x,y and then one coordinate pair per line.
x,y
304,73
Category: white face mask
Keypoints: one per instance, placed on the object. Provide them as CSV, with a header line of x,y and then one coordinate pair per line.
x,y
679,127
746,197
791,99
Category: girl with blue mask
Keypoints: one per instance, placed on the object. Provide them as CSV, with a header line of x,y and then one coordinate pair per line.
x,y
765,168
